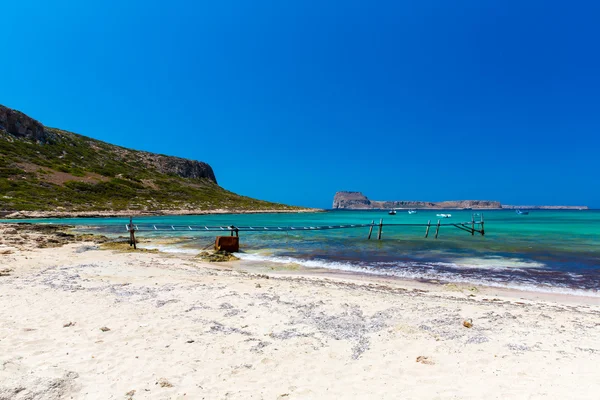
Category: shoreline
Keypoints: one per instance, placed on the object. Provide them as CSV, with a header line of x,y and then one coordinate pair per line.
x,y
170,247
69,235
84,321
530,291
297,269
16,215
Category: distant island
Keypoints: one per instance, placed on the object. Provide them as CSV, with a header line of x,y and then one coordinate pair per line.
x,y
358,201
49,172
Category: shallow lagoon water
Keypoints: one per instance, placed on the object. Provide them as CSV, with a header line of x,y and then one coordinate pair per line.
x,y
557,251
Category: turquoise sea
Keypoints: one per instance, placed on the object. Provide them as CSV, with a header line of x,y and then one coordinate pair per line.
x,y
555,251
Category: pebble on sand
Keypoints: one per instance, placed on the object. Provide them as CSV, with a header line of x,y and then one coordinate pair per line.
x,y
164,383
424,360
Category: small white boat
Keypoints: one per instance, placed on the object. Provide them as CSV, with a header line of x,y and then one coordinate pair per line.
x,y
392,212
412,211
444,215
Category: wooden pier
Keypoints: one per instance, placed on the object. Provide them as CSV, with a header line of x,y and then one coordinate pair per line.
x,y
472,227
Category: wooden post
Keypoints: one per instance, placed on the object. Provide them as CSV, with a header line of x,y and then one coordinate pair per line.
x,y
132,234
437,230
482,230
427,230
380,228
371,229
472,224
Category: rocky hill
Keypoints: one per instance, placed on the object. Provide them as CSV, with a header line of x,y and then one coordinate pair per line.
x,y
358,201
48,169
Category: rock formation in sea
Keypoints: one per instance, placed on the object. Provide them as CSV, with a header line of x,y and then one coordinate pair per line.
x,y
358,201
354,200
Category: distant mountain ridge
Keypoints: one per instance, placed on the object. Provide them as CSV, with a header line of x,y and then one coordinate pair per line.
x,y
48,169
358,201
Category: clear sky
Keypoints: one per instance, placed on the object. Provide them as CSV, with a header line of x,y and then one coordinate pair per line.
x,y
291,101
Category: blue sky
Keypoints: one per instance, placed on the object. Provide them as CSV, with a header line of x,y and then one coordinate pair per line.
x,y
293,101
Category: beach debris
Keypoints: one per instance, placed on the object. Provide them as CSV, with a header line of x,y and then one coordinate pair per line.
x,y
164,383
105,329
289,334
588,350
258,286
518,347
350,325
122,245
68,324
468,323
424,360
30,385
217,256
220,328
84,248
477,340
257,348
130,394
190,341
5,272
162,303
452,287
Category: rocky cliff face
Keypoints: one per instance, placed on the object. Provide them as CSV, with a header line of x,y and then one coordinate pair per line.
x,y
182,167
351,200
185,168
357,200
20,125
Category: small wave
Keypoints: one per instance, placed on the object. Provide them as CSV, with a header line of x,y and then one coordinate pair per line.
x,y
169,249
425,271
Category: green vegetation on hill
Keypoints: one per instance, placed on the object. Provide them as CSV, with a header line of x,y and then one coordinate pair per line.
x,y
70,172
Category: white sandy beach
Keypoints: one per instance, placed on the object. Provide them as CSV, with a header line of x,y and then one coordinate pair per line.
x,y
79,322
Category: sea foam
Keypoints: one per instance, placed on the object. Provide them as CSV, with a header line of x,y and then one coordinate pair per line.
x,y
423,271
